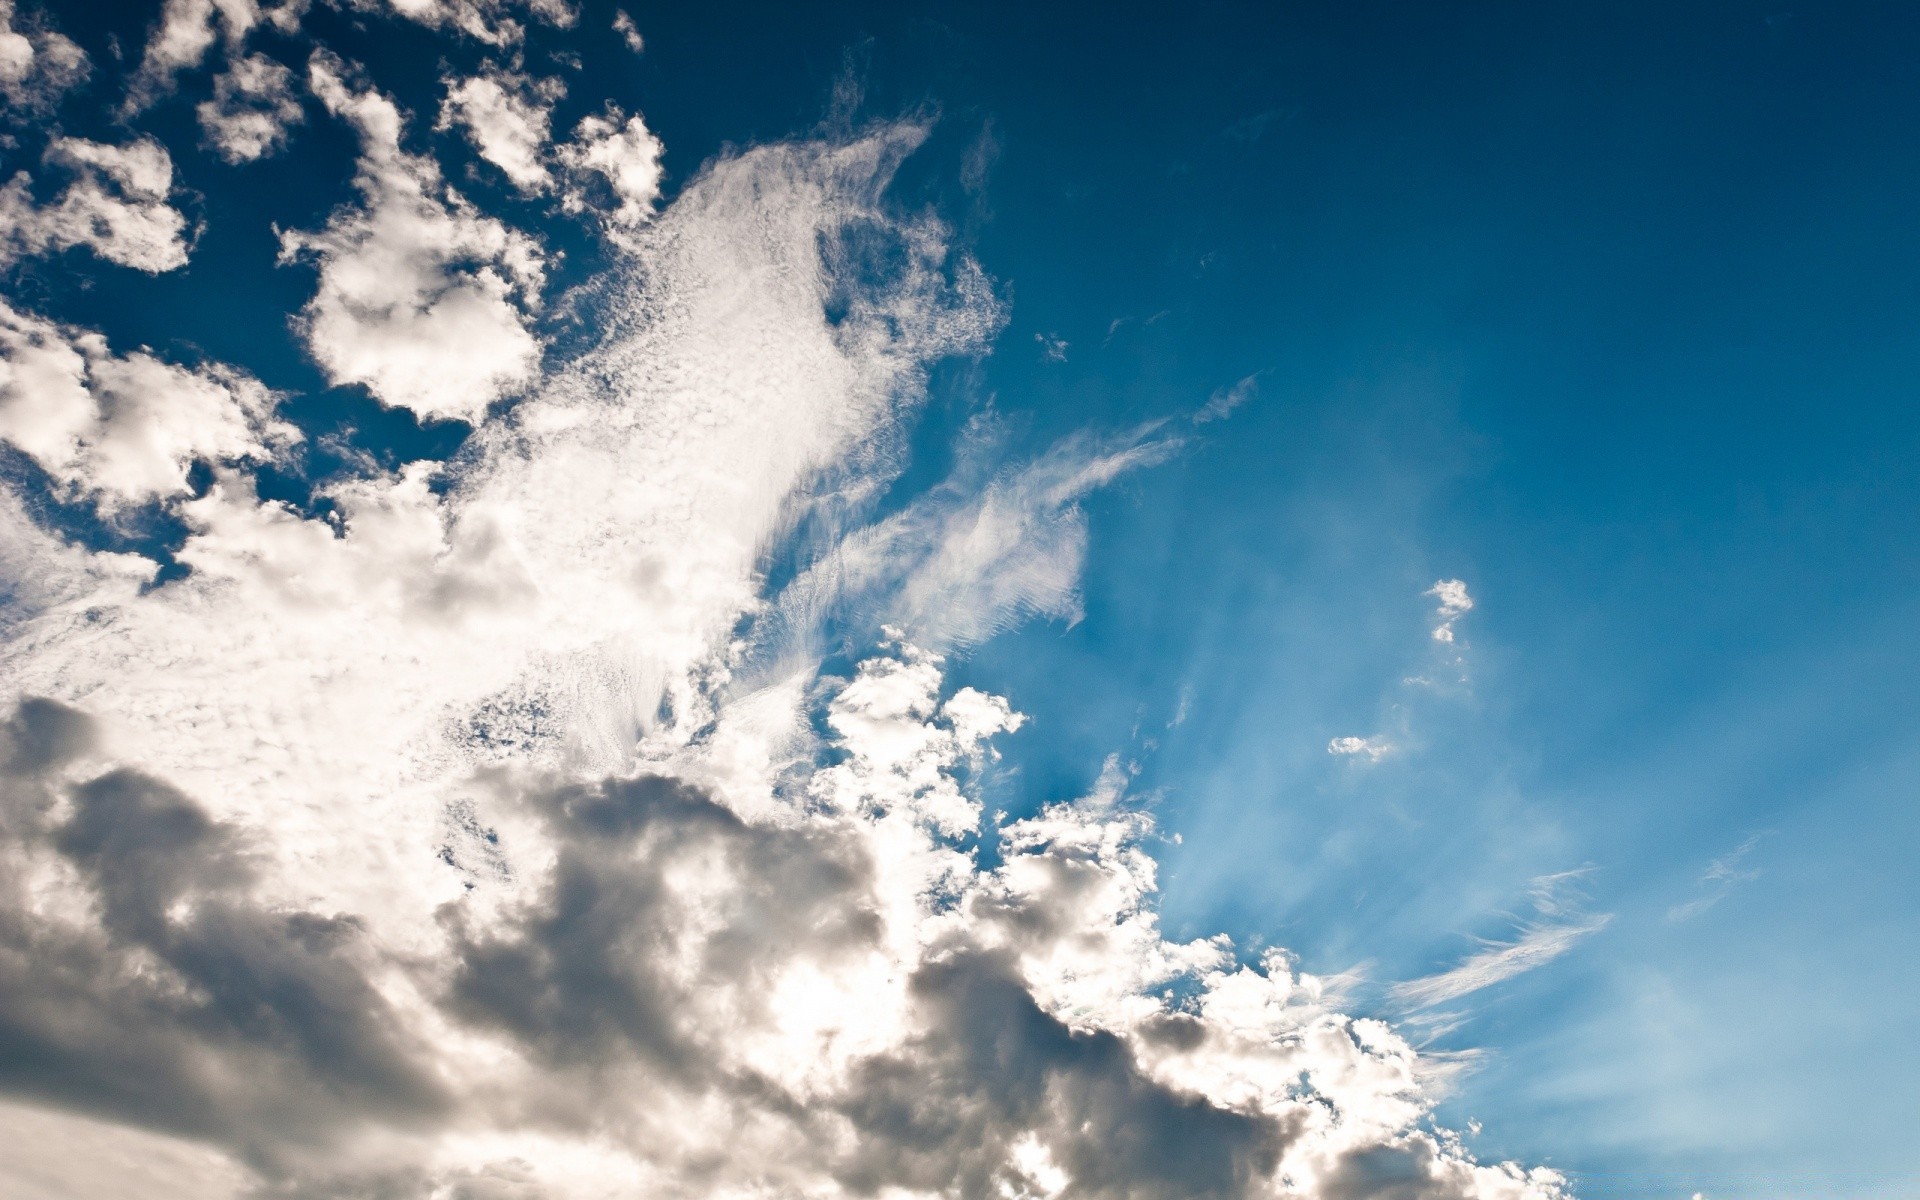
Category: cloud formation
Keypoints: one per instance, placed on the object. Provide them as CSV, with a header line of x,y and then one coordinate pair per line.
x,y
423,299
115,205
1556,927
1454,604
494,828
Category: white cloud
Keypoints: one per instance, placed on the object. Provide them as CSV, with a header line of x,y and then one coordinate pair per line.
x,y
251,107
625,155
116,206
628,31
497,834
488,21
187,29
37,64
1454,603
1221,404
422,298
508,118
1053,347
1373,749
123,428
1556,927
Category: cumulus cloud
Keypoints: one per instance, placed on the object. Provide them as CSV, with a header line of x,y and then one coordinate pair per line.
x,y
423,299
123,428
1454,603
250,110
1557,925
115,205
508,118
493,830
187,29
38,64
1373,749
624,156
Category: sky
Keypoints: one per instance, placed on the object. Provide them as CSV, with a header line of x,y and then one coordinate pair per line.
x,y
1012,601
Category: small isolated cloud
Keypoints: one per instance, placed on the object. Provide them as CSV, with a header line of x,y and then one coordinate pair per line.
x,y
1454,603
1053,347
251,109
1557,925
618,153
1224,400
1373,749
422,298
1722,875
116,206
628,31
508,117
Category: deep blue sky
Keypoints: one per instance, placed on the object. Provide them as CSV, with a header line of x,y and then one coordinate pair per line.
x,y
1610,311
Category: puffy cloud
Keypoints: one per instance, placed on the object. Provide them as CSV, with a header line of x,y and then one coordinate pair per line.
x,y
123,428
628,31
116,206
496,834
1454,603
187,29
1557,926
508,118
422,298
625,155
1373,749
489,21
37,64
251,107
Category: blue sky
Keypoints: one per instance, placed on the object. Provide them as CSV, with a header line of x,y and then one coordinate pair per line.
x,y
1607,312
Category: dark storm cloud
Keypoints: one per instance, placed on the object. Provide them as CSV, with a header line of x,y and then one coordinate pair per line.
x,y
944,1113
178,1002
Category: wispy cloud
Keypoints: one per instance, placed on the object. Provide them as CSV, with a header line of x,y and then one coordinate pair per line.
x,y
1722,875
1224,400
1557,925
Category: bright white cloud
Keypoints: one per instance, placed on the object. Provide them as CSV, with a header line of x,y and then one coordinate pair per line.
x,y
37,63
250,110
1373,749
1454,603
115,205
1557,926
123,428
489,21
497,834
422,298
624,156
508,118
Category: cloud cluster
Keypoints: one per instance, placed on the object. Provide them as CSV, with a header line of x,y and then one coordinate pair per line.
x,y
37,64
492,828
115,205
422,298
123,428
